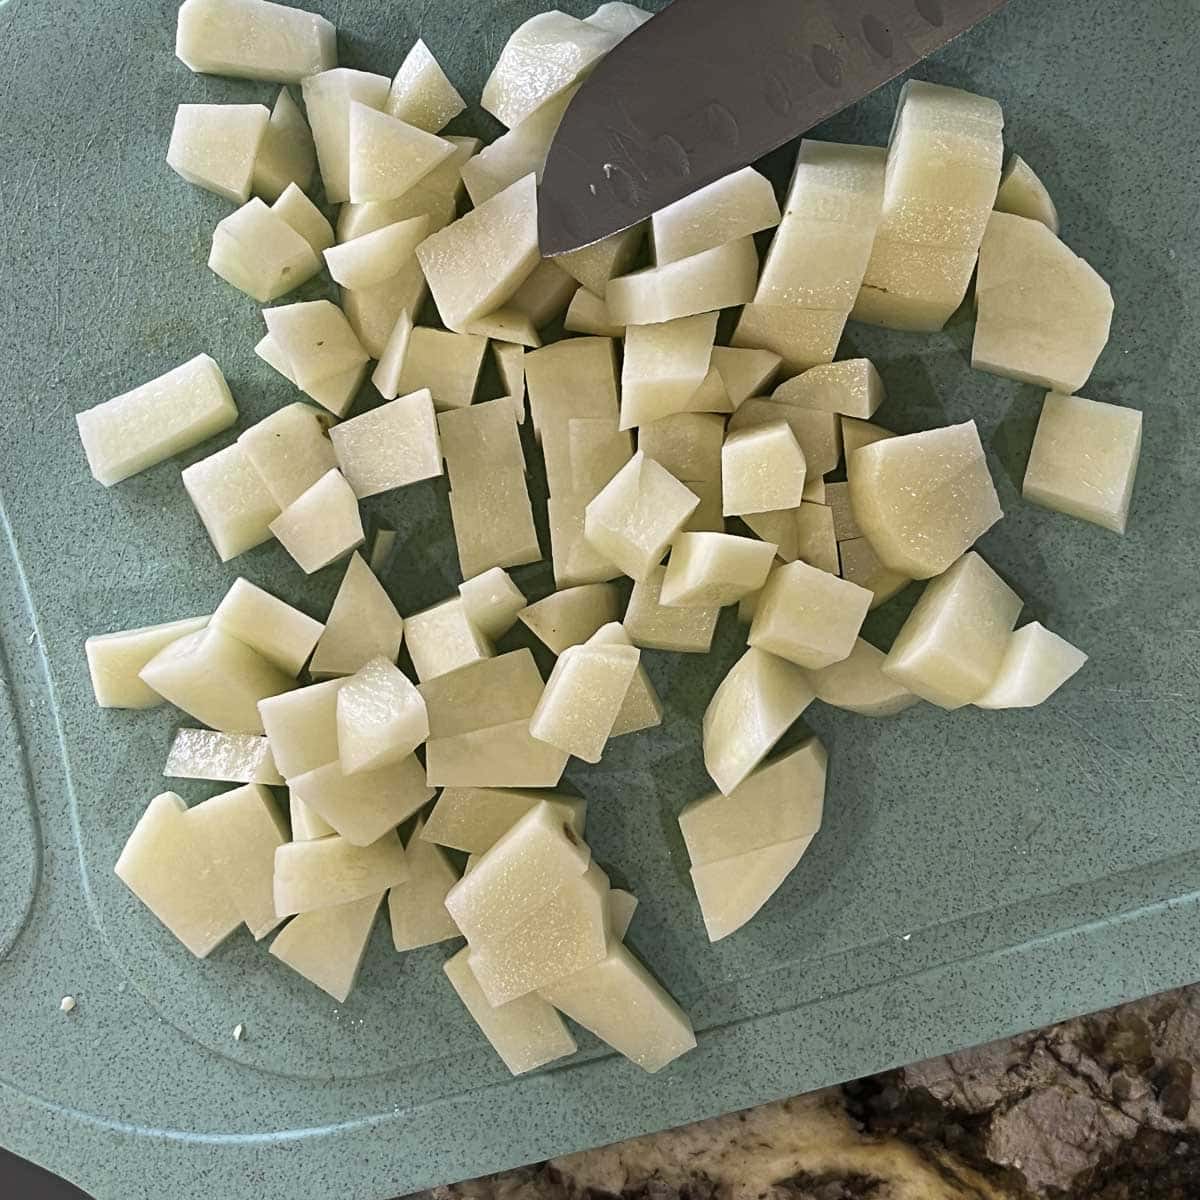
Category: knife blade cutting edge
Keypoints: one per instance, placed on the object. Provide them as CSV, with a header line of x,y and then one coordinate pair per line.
x,y
709,86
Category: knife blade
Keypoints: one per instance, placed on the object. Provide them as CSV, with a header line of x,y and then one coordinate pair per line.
x,y
708,86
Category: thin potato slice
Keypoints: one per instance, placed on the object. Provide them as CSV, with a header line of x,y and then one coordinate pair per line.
x,y
363,624
227,757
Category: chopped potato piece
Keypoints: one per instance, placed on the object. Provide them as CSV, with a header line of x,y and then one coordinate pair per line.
x,y
950,649
686,444
421,94
852,387
290,450
302,727
505,755
620,18
595,451
814,490
306,825
570,379
304,217
326,945
156,421
332,871
442,638
231,500
378,255
115,661
510,363
374,311
593,266
490,692
653,626
216,679
802,337
780,528
858,684
818,433
745,372
336,394
479,440
417,909
664,365
1044,314
923,499
321,526
387,156
283,635
286,155
389,447
809,616
363,624
328,99
1084,460
545,294
239,832
568,618
316,339
587,313
1035,665
228,757
164,864
364,806
474,818
476,263
710,396
641,708
381,718
856,434
386,376
762,470
837,500
733,207
214,146
576,560
752,708
710,570
860,564
1023,194
718,278
816,541
493,602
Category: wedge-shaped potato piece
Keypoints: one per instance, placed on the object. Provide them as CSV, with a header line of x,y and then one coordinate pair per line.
x,y
1084,460
809,616
389,447
215,679
286,154
321,526
115,661
326,945
525,1033
545,293
710,396
732,890
582,698
332,871
950,649
493,602
752,708
283,635
1035,665
156,421
509,325
252,39
856,434
381,718
587,313
655,626
779,802
239,832
214,146
363,624
858,684
260,253
923,499
814,490
710,570
543,57
568,618
505,755
637,515
304,217
165,865
641,708
780,528
620,1002
364,806
762,470
306,825
687,444
1044,315
316,339
290,450
476,264
231,500
328,98
442,639
594,265
421,94
473,819
378,255
860,564
816,543
852,387
302,727
417,909
818,433
227,757
744,373
664,365
387,156
718,278
733,207
336,393
374,311
1023,194
802,337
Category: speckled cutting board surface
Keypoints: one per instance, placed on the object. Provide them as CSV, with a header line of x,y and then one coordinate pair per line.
x,y
978,873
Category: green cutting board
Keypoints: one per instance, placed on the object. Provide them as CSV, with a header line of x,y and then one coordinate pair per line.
x,y
978,873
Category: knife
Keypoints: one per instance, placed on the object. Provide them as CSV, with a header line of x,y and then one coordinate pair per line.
x,y
708,86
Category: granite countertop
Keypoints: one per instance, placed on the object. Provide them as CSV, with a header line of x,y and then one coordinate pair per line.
x,y
1101,1108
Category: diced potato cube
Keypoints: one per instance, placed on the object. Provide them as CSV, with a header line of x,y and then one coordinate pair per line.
x,y
950,649
1035,665
228,757
752,708
214,146
1084,460
328,99
473,819
165,866
856,434
526,1033
282,634
231,500
316,339
364,806
593,266
762,470
923,499
323,525
852,387
374,311
710,570
568,618
664,365
493,521
653,626
332,871
306,825
687,444
286,155
780,528
421,94
290,450
493,602
326,945
833,181
363,624
620,1002
802,337
389,447
733,207
417,909
378,255
115,661
860,564
816,542
710,396
239,832
156,421
304,217
215,679
595,451
442,638
859,685
809,616
478,440
1044,315
387,156
637,515
587,313
818,433
505,755
714,279
744,372
381,718
302,727
1023,194
259,253
732,890
448,364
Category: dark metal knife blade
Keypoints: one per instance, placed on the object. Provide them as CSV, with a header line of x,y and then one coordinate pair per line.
x,y
708,86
